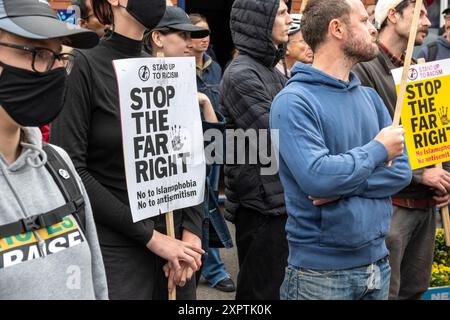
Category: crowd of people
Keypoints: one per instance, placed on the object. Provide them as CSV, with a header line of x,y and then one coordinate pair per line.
x,y
336,222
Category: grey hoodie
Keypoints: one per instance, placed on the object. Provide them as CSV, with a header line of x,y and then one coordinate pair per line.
x,y
443,50
57,262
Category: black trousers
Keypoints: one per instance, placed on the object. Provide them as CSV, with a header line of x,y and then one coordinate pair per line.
x,y
135,273
262,253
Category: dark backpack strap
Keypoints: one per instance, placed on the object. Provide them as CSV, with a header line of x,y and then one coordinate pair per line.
x,y
67,183
37,222
432,51
65,179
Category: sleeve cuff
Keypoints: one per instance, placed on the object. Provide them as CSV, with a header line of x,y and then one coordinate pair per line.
x,y
145,239
417,176
192,219
376,151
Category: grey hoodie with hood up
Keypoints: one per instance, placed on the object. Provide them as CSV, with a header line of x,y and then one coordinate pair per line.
x,y
442,50
57,262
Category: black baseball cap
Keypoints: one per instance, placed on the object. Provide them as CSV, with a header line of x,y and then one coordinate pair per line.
x,y
446,11
175,18
35,19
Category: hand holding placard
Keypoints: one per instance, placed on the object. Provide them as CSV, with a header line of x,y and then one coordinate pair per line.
x,y
393,140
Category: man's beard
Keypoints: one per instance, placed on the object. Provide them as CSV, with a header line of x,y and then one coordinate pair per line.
x,y
420,41
424,30
357,50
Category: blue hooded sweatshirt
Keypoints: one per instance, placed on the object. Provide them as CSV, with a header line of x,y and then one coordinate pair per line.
x,y
326,131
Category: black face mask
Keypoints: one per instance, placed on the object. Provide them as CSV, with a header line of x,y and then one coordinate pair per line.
x,y
32,99
147,12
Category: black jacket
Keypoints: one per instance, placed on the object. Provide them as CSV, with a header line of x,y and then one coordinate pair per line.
x,y
248,87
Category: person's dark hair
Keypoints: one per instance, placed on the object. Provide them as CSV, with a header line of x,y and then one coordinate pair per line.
x,y
103,11
400,8
324,11
83,9
197,18
147,42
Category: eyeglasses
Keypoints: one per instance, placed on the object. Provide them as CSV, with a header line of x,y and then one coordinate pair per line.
x,y
43,58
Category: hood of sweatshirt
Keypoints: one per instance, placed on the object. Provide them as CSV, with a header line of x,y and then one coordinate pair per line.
x,y
251,23
31,155
444,42
306,73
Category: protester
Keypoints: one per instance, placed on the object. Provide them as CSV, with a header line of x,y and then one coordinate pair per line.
x,y
393,39
173,37
209,72
48,241
89,21
87,17
412,235
89,126
256,201
296,50
334,140
370,8
440,49
209,75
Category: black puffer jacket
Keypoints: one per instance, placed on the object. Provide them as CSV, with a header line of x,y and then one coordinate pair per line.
x,y
248,87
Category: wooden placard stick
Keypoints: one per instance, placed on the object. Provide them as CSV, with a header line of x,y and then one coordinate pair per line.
x,y
169,222
171,233
406,65
304,3
444,211
445,218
